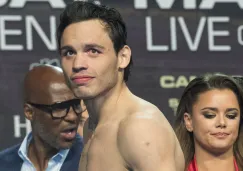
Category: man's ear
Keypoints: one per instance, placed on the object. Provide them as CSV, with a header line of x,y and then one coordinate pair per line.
x,y
124,57
28,111
188,122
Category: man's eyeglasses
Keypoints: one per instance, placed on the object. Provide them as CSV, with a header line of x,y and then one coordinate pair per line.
x,y
60,110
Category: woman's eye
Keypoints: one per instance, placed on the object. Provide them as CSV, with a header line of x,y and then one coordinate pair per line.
x,y
209,116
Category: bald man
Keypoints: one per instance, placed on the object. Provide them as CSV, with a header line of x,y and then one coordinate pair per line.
x,y
54,114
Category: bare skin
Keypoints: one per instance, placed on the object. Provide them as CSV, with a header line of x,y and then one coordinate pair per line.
x,y
123,132
131,139
84,117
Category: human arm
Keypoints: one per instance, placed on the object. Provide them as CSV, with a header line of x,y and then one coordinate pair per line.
x,y
147,143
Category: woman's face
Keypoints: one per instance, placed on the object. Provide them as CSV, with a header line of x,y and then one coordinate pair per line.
x,y
214,120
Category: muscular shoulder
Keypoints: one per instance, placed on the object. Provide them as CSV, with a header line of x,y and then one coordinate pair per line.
x,y
146,139
143,115
141,122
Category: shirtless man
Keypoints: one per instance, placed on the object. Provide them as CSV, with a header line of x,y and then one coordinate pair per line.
x,y
123,132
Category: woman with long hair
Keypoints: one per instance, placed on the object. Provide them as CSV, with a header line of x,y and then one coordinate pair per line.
x,y
209,124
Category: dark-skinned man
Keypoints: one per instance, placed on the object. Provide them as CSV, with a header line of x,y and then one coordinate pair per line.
x,y
54,113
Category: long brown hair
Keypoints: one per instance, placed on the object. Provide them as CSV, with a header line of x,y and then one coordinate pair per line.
x,y
190,96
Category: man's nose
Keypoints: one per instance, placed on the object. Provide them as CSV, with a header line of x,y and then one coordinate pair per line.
x,y
79,63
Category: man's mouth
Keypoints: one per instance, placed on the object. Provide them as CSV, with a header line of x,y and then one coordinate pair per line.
x,y
69,134
81,80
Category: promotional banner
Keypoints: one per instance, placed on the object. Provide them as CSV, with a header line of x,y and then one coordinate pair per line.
x,y
172,42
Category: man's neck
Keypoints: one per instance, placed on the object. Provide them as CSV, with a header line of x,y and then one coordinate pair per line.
x,y
210,162
40,152
103,106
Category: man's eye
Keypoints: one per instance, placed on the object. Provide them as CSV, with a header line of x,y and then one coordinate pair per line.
x,y
93,51
69,53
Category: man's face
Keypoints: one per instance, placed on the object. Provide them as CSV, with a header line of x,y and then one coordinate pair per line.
x,y
89,60
58,133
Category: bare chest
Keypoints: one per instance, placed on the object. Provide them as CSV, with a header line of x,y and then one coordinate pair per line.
x,y
101,153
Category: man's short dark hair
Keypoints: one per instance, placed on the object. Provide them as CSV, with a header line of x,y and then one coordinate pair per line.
x,y
81,11
239,79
